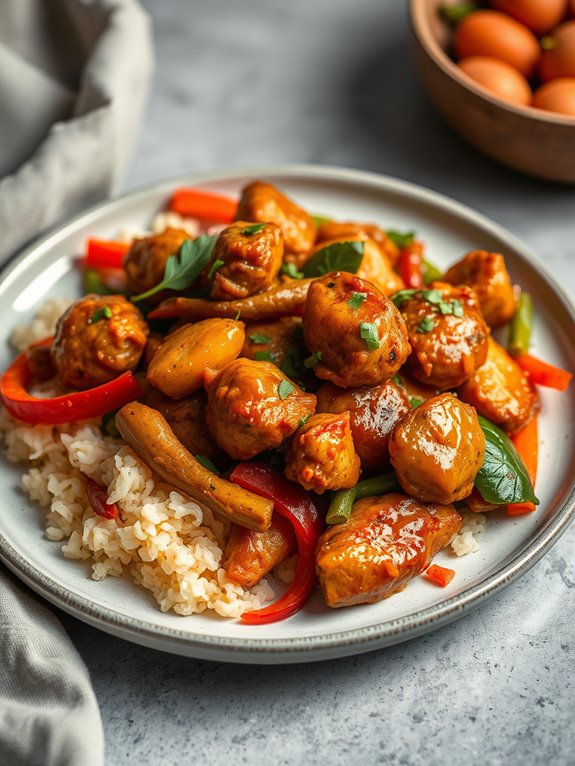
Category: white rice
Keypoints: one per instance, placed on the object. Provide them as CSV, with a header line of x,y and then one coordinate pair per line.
x,y
42,326
465,541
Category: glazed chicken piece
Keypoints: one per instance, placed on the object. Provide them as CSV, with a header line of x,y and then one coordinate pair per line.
x,y
388,540
348,230
375,265
251,555
186,417
437,450
486,273
146,261
413,389
253,406
98,338
263,203
271,339
374,412
447,334
248,259
321,455
179,365
155,340
356,332
500,391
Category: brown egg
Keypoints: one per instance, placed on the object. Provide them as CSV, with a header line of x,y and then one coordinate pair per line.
x,y
499,78
558,57
557,96
539,15
495,35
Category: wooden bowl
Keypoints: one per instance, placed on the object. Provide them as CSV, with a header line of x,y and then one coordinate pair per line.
x,y
531,140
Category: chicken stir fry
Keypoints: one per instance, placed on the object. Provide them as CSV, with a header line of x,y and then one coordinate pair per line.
x,y
360,391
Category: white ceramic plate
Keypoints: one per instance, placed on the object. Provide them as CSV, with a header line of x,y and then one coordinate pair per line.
x,y
509,546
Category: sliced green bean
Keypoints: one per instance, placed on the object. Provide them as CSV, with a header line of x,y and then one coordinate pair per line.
x,y
379,485
343,500
93,283
521,326
431,273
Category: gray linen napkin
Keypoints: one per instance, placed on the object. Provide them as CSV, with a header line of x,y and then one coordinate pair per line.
x,y
73,81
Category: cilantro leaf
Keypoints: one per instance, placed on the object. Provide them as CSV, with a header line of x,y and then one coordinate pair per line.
x,y
457,308
292,271
207,463
259,338
263,356
415,401
433,296
253,229
214,267
368,333
102,313
303,421
285,388
183,269
401,238
426,325
312,360
402,296
356,300
340,256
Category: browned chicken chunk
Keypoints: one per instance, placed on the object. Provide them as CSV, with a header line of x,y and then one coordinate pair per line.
x,y
271,341
447,334
437,450
374,411
246,259
387,541
251,555
321,454
356,332
146,261
179,365
253,406
486,273
500,391
263,203
346,230
98,338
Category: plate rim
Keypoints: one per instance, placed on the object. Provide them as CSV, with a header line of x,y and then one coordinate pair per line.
x,y
336,643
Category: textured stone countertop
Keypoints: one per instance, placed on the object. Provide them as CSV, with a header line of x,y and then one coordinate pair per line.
x,y
331,81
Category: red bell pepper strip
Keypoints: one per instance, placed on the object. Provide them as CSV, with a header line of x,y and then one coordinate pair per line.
x,y
80,405
103,254
205,205
526,442
98,499
295,504
544,374
410,264
441,576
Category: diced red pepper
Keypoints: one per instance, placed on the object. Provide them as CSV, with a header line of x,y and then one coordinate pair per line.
x,y
410,265
104,254
205,205
526,442
441,576
98,499
544,374
80,405
295,504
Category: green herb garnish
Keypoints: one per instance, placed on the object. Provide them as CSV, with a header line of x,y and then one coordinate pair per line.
x,y
218,263
253,229
397,379
259,338
457,308
401,238
426,325
415,401
103,313
433,296
207,463
303,421
402,296
238,315
263,356
183,269
292,271
285,388
319,219
312,360
340,256
368,333
356,300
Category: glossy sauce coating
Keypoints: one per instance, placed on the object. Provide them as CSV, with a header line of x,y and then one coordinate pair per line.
x,y
347,230
437,450
321,455
388,540
332,328
500,391
246,413
249,261
446,349
90,347
281,334
486,273
179,365
264,203
146,260
374,411
250,555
